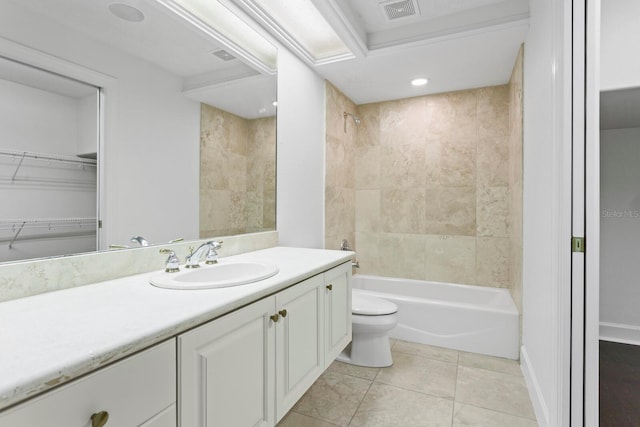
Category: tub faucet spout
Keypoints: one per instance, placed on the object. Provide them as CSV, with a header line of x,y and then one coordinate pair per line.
x,y
345,246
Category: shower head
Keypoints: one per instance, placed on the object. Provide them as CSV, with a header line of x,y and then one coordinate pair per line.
x,y
355,118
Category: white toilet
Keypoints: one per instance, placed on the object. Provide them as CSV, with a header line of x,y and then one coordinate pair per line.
x,y
372,319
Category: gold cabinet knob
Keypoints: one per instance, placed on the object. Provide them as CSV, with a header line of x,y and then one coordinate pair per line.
x,y
283,312
99,419
330,287
274,317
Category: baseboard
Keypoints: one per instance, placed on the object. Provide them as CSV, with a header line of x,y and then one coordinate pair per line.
x,y
537,399
618,332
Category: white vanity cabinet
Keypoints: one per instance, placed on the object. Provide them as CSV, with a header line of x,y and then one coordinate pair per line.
x,y
248,368
137,391
337,306
299,341
225,371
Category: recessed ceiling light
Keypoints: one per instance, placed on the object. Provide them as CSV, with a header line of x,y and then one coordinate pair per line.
x,y
274,103
421,81
126,12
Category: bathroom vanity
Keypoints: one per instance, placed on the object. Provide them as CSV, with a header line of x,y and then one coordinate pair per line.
x,y
133,354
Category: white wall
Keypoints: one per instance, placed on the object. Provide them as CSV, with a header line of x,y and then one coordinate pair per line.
x,y
620,38
546,206
620,226
300,154
87,125
151,153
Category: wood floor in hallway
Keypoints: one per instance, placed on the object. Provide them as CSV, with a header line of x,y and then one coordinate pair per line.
x,y
619,385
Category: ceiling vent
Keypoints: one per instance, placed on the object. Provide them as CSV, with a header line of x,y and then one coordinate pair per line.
x,y
223,54
395,9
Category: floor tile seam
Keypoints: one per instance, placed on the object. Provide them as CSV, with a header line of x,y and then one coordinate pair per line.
x,y
425,357
360,403
518,375
496,411
455,391
360,377
316,418
493,409
415,391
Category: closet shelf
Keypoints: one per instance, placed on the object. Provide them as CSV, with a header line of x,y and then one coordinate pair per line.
x,y
78,226
20,157
48,157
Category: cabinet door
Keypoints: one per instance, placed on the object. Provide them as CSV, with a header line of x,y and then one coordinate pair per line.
x,y
299,341
337,310
226,370
132,391
166,418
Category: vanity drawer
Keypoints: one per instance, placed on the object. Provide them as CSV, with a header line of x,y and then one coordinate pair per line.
x,y
139,390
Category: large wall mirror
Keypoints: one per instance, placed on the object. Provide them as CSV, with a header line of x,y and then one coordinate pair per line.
x,y
132,118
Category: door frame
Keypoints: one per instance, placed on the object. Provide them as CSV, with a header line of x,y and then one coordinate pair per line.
x,y
585,271
592,214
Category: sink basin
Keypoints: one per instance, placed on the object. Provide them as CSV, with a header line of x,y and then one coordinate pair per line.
x,y
220,275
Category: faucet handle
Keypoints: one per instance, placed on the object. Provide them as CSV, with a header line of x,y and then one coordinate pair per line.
x,y
139,240
173,262
212,255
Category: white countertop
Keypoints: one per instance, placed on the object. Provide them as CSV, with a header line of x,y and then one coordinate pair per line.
x,y
52,338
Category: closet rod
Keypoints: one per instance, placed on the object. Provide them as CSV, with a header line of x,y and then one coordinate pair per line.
x,y
48,157
45,222
17,225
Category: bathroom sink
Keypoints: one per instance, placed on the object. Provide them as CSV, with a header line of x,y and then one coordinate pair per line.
x,y
220,275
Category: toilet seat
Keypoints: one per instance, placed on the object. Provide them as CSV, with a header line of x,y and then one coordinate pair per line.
x,y
367,305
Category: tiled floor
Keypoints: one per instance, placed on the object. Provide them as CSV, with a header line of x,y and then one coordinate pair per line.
x,y
426,386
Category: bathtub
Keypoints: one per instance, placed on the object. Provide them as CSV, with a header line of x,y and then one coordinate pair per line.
x,y
462,317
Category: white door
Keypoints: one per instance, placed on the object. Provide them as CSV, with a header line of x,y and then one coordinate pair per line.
x,y
585,215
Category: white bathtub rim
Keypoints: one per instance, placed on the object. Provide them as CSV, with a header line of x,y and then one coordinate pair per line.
x,y
491,309
480,288
499,308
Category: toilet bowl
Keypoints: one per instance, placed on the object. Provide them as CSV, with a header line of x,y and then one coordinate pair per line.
x,y
372,319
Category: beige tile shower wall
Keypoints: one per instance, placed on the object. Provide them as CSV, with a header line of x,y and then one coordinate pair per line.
x,y
340,169
515,177
261,175
433,188
237,173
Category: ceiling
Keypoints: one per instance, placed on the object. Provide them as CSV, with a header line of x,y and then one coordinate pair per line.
x,y
457,44
29,76
165,40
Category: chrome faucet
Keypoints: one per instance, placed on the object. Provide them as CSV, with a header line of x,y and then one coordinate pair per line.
x,y
173,262
139,240
193,260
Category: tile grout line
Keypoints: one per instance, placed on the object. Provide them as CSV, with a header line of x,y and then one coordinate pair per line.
x,y
455,389
360,403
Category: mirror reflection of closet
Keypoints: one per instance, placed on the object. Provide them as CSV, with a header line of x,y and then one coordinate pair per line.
x,y
48,163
